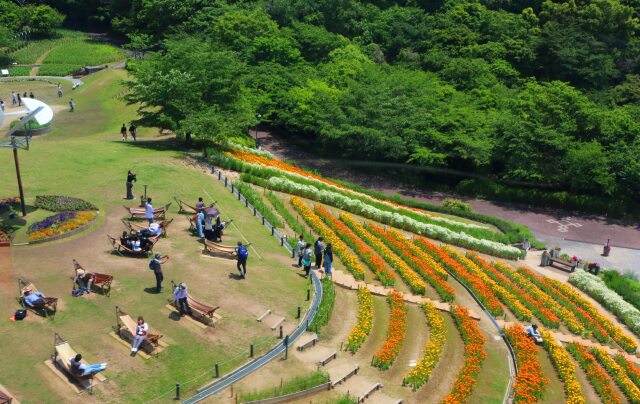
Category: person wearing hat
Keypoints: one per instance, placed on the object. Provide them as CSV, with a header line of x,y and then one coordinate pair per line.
x,y
36,299
156,266
180,295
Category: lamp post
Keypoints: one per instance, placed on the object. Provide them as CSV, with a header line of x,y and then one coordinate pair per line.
x,y
258,118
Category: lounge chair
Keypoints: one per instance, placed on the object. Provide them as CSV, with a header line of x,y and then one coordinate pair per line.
x,y
120,248
127,330
101,281
50,304
60,358
139,213
216,249
188,209
135,227
5,397
199,311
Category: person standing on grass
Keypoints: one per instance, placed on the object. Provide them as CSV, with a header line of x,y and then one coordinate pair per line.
x,y
180,295
59,91
148,211
299,249
132,130
131,177
19,100
328,259
142,329
14,99
199,223
242,253
123,132
31,95
2,105
156,266
306,259
318,249
72,105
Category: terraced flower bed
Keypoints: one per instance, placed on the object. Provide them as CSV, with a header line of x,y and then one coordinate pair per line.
x,y
565,367
396,332
530,381
420,374
359,334
595,373
618,373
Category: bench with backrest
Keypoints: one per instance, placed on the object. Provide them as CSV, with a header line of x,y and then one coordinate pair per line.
x,y
120,248
101,281
50,303
61,359
199,311
226,251
136,227
139,213
127,330
571,265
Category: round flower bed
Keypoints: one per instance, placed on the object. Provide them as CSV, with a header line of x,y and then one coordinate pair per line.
x,y
60,225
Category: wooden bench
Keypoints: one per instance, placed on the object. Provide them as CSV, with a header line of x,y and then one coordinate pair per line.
x,y
571,265
328,359
101,281
136,228
216,249
353,371
50,304
126,329
308,344
120,248
61,355
370,391
199,311
139,213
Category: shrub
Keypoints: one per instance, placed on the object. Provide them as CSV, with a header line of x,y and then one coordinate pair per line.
x,y
57,203
624,285
256,200
456,204
323,315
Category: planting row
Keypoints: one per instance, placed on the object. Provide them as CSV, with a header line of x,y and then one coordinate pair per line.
x,y
431,354
530,382
396,332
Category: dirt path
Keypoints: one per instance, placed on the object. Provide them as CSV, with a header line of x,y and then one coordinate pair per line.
x,y
543,222
36,69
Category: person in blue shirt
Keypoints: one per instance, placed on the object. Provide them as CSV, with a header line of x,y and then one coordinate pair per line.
x,y
80,368
34,299
532,331
199,222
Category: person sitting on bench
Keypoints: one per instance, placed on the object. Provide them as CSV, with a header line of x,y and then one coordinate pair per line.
x,y
136,244
142,329
153,230
217,230
85,370
532,331
125,240
84,279
180,295
37,299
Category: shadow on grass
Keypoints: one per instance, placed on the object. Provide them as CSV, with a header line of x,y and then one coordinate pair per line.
x,y
152,291
236,277
165,144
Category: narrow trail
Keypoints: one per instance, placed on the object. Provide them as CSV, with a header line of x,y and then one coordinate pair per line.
x,y
36,69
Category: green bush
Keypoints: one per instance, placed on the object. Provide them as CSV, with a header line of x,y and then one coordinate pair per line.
x,y
256,200
296,226
57,203
62,69
624,285
33,124
298,383
456,204
326,306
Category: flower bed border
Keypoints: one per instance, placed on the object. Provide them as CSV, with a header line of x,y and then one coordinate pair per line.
x,y
66,234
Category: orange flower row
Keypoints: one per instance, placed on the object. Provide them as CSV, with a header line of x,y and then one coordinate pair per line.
x,y
396,332
365,321
530,382
365,252
482,291
595,373
532,303
431,355
474,354
416,251
441,286
340,248
565,367
412,279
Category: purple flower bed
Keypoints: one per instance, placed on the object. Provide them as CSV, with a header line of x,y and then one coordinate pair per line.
x,y
53,220
57,203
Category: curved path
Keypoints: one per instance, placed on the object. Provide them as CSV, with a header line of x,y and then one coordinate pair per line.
x,y
74,81
578,234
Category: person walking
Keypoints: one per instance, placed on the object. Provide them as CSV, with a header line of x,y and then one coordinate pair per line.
x,y
14,98
318,249
123,132
31,95
180,295
242,253
299,249
156,266
59,90
306,259
142,329
148,211
131,177
72,105
328,259
132,130
19,100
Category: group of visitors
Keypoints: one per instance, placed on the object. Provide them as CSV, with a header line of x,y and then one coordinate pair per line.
x,y
205,226
132,130
321,252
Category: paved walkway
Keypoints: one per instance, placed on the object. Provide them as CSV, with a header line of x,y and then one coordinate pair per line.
x,y
553,226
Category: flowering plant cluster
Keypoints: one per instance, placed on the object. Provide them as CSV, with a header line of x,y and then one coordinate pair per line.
x,y
444,290
596,288
7,203
565,367
58,224
418,252
534,304
257,152
632,370
412,279
373,260
595,373
530,381
340,248
4,236
618,373
365,321
396,219
396,332
508,299
57,203
420,374
482,291
474,356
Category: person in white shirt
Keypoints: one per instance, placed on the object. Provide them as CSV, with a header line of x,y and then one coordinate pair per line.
x,y
142,329
299,249
532,331
135,244
155,229
148,211
180,295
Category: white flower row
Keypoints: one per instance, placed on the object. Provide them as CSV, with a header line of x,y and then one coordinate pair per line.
x,y
257,152
393,218
597,288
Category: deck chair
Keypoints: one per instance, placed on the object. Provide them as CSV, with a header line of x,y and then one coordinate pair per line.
x,y
120,248
100,281
5,398
50,305
127,329
61,354
216,249
199,311
188,209
135,227
139,213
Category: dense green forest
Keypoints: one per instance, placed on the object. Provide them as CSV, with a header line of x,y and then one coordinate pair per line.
x,y
542,92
